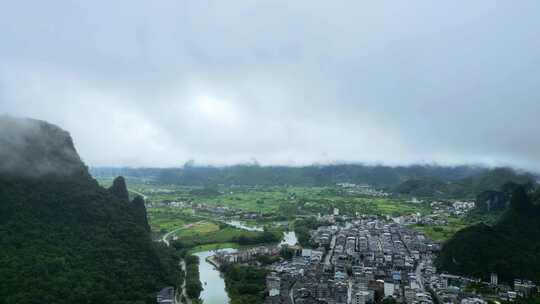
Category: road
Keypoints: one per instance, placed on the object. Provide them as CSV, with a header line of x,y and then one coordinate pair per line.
x,y
138,193
419,277
291,293
328,257
165,238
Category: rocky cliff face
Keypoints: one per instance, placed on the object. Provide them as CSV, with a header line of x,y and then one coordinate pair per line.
x,y
119,188
140,210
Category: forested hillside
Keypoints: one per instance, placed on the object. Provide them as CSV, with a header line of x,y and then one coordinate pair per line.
x,y
65,239
509,248
471,186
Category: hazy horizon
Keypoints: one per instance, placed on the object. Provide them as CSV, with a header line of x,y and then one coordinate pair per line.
x,y
156,84
374,164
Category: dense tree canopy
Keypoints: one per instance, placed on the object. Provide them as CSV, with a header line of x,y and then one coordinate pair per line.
x,y
504,179
71,241
245,284
509,248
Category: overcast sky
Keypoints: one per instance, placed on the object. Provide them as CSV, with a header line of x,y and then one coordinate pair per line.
x,y
157,83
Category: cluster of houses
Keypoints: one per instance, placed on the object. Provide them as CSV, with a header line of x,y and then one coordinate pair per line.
x,y
360,261
439,215
370,259
166,296
245,255
211,209
457,208
362,189
456,289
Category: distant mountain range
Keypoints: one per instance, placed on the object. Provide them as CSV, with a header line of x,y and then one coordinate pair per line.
x,y
471,186
417,180
63,238
298,176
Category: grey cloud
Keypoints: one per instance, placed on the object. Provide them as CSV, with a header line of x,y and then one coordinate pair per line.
x,y
156,83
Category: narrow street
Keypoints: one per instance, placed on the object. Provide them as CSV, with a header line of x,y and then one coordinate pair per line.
x,y
138,193
419,277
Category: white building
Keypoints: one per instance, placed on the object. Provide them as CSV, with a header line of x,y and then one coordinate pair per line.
x,y
494,279
360,297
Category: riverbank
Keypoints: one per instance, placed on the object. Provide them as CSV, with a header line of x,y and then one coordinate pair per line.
x,y
193,283
209,274
209,233
212,280
212,260
213,247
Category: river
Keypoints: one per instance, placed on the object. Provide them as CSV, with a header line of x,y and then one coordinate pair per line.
x,y
212,280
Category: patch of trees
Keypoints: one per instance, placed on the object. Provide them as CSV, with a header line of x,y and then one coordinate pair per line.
x,y
389,300
303,228
193,283
242,238
532,300
267,259
304,236
245,284
263,238
438,229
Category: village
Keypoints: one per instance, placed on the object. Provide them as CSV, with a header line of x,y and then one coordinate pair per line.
x,y
362,258
368,260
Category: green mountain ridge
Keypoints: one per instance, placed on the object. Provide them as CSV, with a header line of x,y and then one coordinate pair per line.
x,y
509,248
377,175
472,186
65,239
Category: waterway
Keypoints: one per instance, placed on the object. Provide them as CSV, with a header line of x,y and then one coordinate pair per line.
x,y
212,280
213,283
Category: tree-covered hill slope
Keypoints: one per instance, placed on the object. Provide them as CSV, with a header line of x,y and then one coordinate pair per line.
x,y
65,239
471,186
509,248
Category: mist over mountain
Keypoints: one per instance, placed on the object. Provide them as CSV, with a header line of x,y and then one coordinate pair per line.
x,y
34,148
416,180
286,83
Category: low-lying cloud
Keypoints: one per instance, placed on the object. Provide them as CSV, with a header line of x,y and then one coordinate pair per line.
x,y
157,83
33,148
